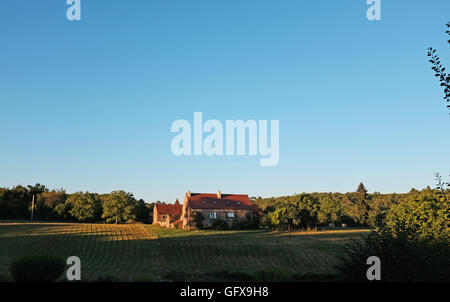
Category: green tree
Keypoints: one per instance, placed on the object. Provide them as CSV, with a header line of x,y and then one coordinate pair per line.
x,y
62,211
85,207
379,207
46,203
143,211
279,219
424,216
331,210
295,212
119,207
361,206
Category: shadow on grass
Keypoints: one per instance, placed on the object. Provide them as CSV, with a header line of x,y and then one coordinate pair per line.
x,y
199,255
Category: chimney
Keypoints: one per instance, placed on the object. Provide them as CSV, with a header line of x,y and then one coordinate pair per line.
x,y
219,194
188,193
177,202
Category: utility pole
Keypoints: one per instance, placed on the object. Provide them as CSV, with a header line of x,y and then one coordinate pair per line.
x,y
32,207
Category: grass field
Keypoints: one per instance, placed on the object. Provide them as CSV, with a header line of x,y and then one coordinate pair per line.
x,y
148,253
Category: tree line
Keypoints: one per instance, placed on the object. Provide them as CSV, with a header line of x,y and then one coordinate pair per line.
x,y
359,208
57,205
296,212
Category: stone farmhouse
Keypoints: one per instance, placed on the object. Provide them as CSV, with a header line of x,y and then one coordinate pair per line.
x,y
227,207
168,215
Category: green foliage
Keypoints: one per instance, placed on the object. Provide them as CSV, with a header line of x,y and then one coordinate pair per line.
x,y
331,210
198,219
362,205
143,211
219,224
249,223
413,245
85,207
426,215
294,212
439,70
402,258
310,210
15,203
119,207
37,268
62,211
46,202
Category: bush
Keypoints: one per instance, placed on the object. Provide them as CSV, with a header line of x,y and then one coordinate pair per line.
x,y
402,258
198,220
37,268
247,224
220,225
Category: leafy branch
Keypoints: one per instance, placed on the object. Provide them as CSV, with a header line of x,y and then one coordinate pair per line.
x,y
439,70
441,185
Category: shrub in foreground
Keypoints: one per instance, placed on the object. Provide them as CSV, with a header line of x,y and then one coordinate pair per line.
x,y
37,268
403,258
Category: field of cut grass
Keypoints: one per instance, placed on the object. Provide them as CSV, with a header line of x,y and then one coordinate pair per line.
x,y
149,253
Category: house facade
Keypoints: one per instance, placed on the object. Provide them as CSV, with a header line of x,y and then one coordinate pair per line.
x,y
168,215
212,207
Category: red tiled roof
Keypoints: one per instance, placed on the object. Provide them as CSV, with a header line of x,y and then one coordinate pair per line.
x,y
172,209
227,201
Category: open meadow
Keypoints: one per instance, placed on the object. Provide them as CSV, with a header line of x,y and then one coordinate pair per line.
x,y
140,252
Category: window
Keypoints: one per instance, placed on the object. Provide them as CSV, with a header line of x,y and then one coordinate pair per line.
x,y
228,202
238,202
204,201
212,215
230,215
214,202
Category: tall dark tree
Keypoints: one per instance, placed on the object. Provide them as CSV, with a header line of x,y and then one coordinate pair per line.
x,y
362,205
143,211
46,202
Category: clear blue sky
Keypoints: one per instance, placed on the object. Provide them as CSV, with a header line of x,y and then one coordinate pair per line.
x,y
88,105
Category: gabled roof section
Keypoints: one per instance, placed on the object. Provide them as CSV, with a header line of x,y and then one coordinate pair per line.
x,y
171,209
226,201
